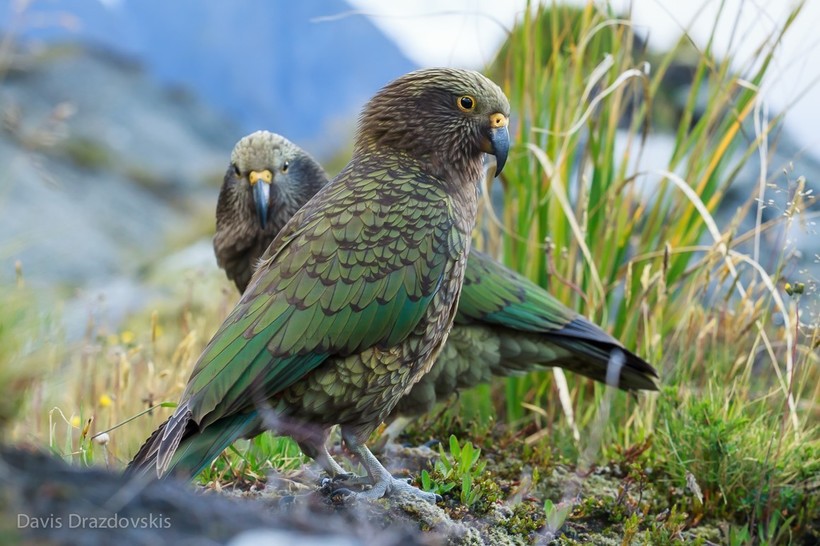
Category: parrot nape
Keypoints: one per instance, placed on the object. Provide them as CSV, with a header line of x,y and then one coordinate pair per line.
x,y
352,301
505,323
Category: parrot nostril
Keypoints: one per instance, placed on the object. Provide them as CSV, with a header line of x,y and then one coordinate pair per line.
x,y
498,120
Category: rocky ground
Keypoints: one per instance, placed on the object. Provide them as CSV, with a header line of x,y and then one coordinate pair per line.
x,y
43,500
46,501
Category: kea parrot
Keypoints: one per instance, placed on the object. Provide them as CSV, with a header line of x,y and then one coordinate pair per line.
x,y
352,301
505,323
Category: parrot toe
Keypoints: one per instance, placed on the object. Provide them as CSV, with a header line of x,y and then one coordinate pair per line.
x,y
347,480
393,487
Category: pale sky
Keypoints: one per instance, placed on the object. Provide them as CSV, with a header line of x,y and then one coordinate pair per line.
x,y
467,33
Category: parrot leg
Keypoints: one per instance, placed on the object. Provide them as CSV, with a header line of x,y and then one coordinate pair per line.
x,y
323,457
313,443
384,484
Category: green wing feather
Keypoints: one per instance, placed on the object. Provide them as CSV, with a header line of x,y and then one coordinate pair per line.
x,y
341,277
494,294
535,329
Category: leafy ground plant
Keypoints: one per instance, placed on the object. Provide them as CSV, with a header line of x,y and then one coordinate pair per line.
x,y
460,467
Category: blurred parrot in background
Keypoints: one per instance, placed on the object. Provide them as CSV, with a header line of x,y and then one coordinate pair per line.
x,y
505,323
352,301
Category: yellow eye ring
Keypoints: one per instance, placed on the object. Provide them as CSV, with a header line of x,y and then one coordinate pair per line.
x,y
465,103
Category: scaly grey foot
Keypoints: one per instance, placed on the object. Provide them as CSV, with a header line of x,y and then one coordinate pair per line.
x,y
384,484
346,486
388,487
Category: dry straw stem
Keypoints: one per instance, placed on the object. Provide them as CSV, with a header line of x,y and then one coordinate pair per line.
x,y
721,247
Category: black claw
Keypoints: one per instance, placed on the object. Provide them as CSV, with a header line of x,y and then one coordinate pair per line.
x,y
431,443
342,496
439,498
343,477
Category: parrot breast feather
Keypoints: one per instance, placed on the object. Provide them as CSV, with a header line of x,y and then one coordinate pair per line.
x,y
340,278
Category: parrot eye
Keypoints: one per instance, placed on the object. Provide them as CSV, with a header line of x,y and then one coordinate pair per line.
x,y
236,170
466,103
285,166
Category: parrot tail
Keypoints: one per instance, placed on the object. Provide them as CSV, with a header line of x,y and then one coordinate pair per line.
x,y
179,448
146,457
594,351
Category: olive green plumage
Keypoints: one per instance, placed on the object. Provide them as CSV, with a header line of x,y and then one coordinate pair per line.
x,y
505,323
508,325
353,299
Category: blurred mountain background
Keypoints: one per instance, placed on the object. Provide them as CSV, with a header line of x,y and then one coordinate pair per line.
x,y
118,118
275,64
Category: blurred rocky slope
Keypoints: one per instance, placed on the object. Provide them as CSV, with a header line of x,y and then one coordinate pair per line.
x,y
103,171
100,164
118,119
302,69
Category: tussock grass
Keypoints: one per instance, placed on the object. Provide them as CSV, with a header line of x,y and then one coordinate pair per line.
x,y
642,254
109,377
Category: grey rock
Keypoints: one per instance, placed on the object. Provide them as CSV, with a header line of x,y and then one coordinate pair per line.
x,y
102,168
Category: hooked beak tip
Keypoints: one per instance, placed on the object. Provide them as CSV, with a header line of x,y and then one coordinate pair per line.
x,y
261,198
499,147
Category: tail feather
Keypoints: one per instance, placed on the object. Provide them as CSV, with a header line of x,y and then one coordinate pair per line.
x,y
593,361
146,458
580,347
198,451
176,428
594,349
187,450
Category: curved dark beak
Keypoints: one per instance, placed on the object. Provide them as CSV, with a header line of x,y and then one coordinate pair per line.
x,y
260,182
497,141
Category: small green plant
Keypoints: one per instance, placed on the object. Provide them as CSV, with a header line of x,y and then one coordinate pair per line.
x,y
556,515
739,536
460,466
429,483
776,532
667,531
253,462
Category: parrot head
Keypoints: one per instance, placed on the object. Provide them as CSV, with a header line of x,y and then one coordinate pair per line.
x,y
272,175
447,117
